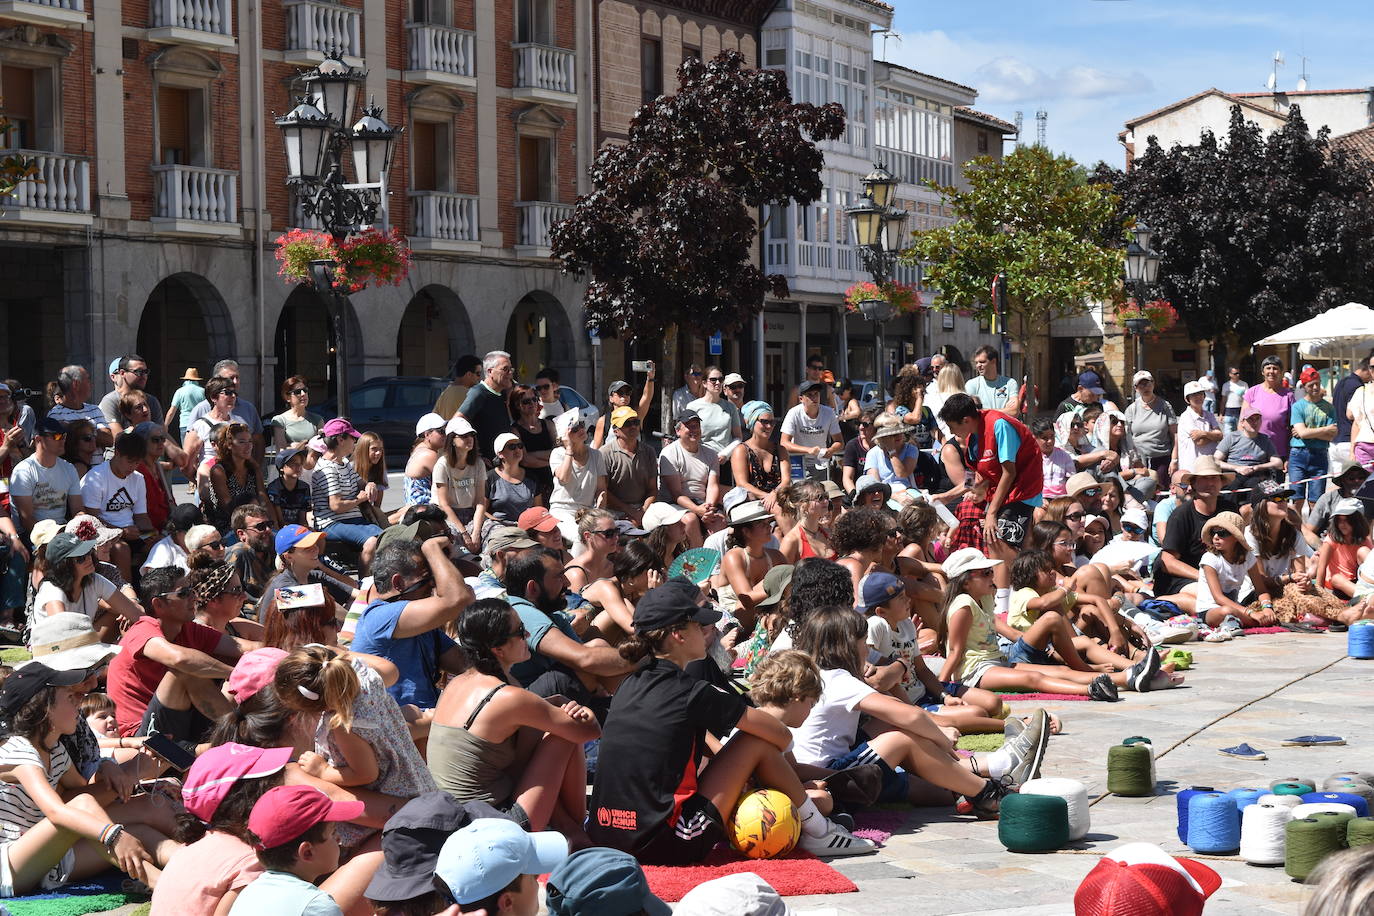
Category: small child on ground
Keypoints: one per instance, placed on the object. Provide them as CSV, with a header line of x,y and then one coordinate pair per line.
x,y
1345,547
288,497
1221,572
297,845
786,685
99,712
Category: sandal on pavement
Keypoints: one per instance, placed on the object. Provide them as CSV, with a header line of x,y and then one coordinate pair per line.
x,y
1242,751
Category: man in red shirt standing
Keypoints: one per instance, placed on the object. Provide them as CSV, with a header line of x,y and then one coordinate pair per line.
x,y
166,678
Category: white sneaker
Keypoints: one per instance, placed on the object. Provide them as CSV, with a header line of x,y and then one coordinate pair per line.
x,y
1217,636
837,842
1163,634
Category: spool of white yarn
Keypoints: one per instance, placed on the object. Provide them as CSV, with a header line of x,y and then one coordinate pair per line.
x,y
1283,801
1262,833
1312,808
1074,793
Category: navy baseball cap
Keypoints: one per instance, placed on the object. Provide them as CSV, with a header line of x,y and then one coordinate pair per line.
x,y
49,426
668,605
878,588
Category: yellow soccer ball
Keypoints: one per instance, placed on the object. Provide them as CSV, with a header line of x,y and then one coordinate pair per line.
x,y
765,825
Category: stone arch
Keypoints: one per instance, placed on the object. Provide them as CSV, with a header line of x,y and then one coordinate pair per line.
x,y
185,324
304,341
435,330
539,334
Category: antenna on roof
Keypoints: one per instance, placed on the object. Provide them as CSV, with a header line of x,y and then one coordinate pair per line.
x,y
887,33
1041,117
1018,129
1302,80
1273,81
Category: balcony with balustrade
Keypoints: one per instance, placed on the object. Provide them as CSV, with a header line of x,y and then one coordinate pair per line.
x,y
439,54
58,194
203,23
315,28
63,14
444,221
537,219
545,74
191,200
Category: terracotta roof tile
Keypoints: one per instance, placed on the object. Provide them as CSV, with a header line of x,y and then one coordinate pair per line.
x,y
1357,142
1005,127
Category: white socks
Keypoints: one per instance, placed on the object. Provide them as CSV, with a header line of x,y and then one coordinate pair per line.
x,y
995,764
813,823
1003,600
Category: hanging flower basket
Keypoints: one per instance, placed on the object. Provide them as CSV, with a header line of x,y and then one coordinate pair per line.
x,y
1154,316
367,258
903,298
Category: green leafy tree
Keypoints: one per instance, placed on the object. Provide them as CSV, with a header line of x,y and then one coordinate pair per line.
x,y
1035,219
1254,233
668,232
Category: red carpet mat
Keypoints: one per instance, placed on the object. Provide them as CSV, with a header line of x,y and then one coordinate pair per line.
x,y
799,873
1040,697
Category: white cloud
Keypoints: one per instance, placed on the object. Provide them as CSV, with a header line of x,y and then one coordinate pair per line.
x,y
1010,79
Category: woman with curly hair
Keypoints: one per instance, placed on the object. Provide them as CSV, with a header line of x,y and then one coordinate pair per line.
x,y
807,507
867,540
920,569
909,406
234,479
218,596
495,742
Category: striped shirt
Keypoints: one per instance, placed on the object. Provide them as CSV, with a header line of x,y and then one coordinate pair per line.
x,y
18,812
333,478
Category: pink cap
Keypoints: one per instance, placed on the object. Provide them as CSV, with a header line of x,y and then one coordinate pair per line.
x,y
339,427
254,671
285,812
214,773
537,518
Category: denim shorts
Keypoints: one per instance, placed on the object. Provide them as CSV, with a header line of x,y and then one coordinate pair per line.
x,y
1022,651
351,532
893,783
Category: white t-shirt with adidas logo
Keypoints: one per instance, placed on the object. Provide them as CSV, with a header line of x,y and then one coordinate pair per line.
x,y
115,499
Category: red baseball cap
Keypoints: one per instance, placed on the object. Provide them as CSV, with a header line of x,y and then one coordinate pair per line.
x,y
214,773
537,518
1308,375
285,812
1140,879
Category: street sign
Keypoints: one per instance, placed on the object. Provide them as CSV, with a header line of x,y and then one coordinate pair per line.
x,y
713,344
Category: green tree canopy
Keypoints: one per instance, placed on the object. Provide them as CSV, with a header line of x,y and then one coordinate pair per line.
x,y
1254,233
667,233
1034,218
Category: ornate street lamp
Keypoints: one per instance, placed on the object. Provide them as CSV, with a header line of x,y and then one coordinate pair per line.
x,y
1142,267
878,234
317,134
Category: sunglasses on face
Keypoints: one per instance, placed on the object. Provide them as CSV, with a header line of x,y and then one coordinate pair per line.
x,y
739,385
56,437
230,393
514,447
765,421
544,387
234,590
1092,491
300,391
715,378
263,525
982,573
179,594
214,545
1221,533
1280,498
607,532
1132,529
1075,516
141,373
1075,426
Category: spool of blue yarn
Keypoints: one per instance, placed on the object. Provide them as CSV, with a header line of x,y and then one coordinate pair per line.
x,y
1213,823
1246,797
1360,641
1182,799
1339,798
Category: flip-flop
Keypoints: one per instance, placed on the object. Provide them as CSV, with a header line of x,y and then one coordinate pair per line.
x,y
1314,741
1242,751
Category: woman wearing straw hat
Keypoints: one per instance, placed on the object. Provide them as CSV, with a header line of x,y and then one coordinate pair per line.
x,y
185,400
747,561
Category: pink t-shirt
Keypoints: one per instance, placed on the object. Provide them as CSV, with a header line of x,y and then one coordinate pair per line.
x,y
199,875
1274,414
1057,467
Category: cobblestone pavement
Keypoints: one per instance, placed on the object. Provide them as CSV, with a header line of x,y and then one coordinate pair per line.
x,y
1259,689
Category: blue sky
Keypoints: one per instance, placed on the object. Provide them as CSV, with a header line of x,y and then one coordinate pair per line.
x,y
1092,64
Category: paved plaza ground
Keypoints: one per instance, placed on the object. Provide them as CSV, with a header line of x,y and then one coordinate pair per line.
x,y
1259,689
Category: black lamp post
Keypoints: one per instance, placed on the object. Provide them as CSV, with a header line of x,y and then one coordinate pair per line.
x,y
878,235
317,134
1142,268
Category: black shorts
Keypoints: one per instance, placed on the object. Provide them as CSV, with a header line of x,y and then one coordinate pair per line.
x,y
187,727
557,680
1014,522
686,841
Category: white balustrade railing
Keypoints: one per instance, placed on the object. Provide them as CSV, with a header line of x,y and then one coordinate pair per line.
x,y
441,49
320,26
775,253
75,6
537,219
193,193
61,183
543,67
214,16
441,215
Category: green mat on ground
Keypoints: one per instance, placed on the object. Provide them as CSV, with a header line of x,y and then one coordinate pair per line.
x,y
14,655
980,742
74,905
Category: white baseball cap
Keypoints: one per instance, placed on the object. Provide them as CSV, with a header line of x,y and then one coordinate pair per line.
x,y
427,422
1141,376
460,426
1193,388
660,514
1135,517
966,559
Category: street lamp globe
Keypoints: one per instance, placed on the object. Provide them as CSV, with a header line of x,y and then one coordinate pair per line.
x,y
866,222
305,132
333,87
374,144
894,235
1142,264
880,185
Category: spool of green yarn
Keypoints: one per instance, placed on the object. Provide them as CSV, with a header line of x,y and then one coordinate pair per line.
x,y
1359,831
1033,823
1308,840
1128,770
1282,780
1291,788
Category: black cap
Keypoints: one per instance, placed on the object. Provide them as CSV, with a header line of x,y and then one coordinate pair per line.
x,y
285,455
1269,489
670,604
48,425
808,385
25,683
411,841
687,416
185,516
